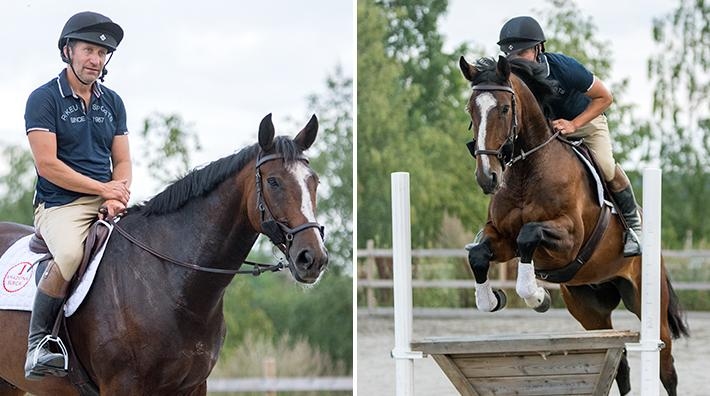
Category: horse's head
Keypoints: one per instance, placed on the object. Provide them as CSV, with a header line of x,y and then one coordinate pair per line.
x,y
493,119
286,199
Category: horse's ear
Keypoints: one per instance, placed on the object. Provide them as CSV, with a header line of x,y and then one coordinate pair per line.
x,y
467,69
266,133
308,134
503,69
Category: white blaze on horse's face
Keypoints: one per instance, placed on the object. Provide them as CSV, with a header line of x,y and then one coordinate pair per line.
x,y
485,103
301,172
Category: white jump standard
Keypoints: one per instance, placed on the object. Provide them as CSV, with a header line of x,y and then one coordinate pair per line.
x,y
551,364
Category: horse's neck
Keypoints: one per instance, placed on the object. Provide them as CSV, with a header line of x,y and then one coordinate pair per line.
x,y
534,128
211,232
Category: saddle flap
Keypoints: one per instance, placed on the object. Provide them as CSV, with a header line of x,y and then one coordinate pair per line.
x,y
98,233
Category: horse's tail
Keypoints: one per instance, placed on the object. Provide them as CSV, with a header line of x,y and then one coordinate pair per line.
x,y
676,316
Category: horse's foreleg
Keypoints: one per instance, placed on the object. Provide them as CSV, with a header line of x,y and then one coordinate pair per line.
x,y
530,237
479,259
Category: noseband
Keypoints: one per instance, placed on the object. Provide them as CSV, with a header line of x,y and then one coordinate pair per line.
x,y
280,234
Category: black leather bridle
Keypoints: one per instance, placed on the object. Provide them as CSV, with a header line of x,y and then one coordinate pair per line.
x,y
504,153
280,234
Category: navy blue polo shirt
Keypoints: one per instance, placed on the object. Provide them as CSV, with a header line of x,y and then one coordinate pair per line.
x,y
84,135
574,81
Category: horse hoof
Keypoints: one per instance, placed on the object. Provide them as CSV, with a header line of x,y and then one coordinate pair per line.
x,y
502,299
546,303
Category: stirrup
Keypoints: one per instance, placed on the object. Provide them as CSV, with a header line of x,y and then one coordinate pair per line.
x,y
44,341
631,237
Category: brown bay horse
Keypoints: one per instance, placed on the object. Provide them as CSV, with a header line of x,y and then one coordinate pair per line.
x,y
151,327
543,210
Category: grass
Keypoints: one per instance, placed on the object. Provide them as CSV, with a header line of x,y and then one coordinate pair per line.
x,y
291,357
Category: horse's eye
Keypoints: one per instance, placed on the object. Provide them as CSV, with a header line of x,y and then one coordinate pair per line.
x,y
272,182
505,109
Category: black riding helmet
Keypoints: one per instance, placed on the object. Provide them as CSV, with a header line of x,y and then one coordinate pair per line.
x,y
91,27
520,33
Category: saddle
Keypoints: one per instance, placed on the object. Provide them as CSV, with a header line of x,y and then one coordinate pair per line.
x,y
94,241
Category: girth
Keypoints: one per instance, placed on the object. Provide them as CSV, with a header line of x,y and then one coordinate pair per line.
x,y
566,273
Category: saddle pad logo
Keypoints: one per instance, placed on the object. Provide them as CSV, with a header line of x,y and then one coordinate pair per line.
x,y
17,277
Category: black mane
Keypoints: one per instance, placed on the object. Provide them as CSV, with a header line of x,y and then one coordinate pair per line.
x,y
533,74
486,68
203,180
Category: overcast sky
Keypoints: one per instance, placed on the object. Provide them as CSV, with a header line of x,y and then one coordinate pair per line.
x,y
222,65
627,29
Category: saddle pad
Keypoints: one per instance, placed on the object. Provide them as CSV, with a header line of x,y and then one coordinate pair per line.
x,y
17,272
595,176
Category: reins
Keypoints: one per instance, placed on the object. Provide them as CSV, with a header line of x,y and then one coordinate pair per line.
x,y
278,232
259,268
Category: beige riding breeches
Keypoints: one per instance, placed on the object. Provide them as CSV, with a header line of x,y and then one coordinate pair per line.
x,y
596,137
64,229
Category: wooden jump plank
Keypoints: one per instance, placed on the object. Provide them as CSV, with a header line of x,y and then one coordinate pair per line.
x,y
576,363
529,364
537,386
598,339
457,378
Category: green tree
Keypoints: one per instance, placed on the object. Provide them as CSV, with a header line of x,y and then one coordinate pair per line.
x,y
411,97
381,138
681,104
322,314
334,163
168,143
17,185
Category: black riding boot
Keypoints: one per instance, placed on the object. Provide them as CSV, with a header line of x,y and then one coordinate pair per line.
x,y
623,194
49,300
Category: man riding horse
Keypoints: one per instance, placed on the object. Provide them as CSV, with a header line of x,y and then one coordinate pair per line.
x,y
78,135
578,112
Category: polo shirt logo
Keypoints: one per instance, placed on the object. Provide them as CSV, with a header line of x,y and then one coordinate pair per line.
x,y
68,111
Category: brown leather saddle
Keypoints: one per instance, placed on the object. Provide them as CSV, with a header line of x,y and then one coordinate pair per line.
x,y
94,241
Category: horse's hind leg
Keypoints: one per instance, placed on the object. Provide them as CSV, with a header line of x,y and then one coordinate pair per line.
x,y
592,307
632,300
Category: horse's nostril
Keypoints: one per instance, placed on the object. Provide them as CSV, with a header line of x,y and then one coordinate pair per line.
x,y
305,258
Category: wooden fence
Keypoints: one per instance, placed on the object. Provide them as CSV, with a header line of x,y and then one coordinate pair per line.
x,y
272,385
370,282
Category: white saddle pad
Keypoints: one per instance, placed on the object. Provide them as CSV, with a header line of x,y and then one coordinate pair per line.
x,y
17,273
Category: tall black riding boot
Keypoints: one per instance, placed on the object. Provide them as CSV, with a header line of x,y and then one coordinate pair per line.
x,y
623,194
49,300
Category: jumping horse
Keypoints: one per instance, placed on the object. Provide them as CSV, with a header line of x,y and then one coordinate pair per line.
x,y
543,210
152,323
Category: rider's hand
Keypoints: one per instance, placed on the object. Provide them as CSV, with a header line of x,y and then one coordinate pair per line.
x,y
116,190
112,208
563,126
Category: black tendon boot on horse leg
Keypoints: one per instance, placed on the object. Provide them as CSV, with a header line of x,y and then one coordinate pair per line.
x,y
49,300
623,194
